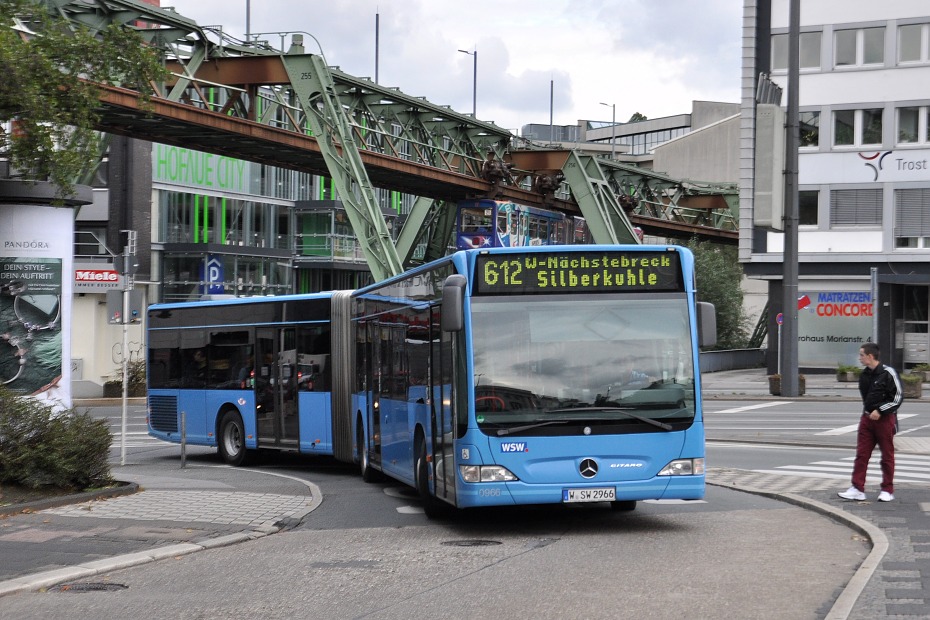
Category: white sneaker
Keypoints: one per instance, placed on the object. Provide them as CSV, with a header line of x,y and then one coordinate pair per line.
x,y
885,496
855,494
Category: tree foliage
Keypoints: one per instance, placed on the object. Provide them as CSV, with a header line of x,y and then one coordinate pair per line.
x,y
48,96
637,116
719,276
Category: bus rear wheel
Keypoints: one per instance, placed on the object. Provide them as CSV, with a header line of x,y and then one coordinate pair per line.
x,y
364,464
232,438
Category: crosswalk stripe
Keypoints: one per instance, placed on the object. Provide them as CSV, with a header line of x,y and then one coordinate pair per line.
x,y
802,474
751,407
852,428
909,468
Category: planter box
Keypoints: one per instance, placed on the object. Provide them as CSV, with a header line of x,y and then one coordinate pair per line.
x,y
775,385
847,377
114,389
912,390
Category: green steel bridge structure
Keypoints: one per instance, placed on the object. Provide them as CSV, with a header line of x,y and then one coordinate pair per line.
x,y
289,108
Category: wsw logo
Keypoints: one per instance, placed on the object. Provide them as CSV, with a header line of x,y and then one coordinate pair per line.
x,y
875,161
514,446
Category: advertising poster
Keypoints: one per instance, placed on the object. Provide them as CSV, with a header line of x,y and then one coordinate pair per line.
x,y
35,252
832,327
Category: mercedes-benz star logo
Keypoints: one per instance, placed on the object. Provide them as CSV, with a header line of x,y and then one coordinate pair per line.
x,y
588,468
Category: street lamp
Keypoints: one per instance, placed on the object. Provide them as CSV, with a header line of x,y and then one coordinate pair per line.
x,y
474,83
613,127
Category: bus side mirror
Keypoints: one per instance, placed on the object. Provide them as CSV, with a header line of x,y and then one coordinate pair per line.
x,y
453,304
706,324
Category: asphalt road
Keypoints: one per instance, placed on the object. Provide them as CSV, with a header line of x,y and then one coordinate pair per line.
x,y
368,550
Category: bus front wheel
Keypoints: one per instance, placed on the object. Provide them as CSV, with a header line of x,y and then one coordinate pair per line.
x,y
434,508
232,438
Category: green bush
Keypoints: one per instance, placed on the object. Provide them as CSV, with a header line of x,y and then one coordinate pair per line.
x,y
135,371
844,368
40,447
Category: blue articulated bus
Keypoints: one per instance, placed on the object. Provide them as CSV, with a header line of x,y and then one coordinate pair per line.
x,y
502,376
247,373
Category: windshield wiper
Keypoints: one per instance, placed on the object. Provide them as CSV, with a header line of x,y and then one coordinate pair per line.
x,y
519,429
624,410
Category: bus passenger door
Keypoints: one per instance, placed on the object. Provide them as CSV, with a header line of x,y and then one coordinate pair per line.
x,y
276,387
374,373
266,381
288,418
441,411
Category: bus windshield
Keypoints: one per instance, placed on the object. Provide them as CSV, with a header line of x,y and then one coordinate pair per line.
x,y
609,361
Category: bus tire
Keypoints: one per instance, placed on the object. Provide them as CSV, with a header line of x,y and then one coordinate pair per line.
x,y
231,438
624,506
364,464
434,508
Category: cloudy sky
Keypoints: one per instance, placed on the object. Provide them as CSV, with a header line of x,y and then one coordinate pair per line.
x,y
647,56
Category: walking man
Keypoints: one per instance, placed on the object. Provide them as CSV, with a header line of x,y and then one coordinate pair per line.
x,y
880,388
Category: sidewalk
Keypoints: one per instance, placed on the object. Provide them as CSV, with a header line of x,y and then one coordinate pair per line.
x,y
891,582
753,382
175,512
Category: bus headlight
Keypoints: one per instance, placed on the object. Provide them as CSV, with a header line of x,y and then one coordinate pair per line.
x,y
486,473
684,467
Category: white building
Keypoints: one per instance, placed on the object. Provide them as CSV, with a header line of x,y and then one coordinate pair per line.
x,y
864,177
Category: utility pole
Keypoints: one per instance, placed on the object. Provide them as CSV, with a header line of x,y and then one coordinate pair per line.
x,y
474,82
128,269
789,341
613,129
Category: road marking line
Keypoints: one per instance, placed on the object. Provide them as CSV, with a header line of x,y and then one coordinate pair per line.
x,y
802,474
751,407
853,427
911,430
674,501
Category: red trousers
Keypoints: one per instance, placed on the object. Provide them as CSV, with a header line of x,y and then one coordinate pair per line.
x,y
871,433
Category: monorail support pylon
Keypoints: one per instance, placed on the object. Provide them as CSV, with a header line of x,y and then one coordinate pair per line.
x,y
414,226
596,199
313,84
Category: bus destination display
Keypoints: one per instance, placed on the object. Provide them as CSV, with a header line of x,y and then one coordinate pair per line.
x,y
577,272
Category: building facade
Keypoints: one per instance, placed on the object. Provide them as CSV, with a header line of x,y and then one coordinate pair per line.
x,y
864,179
203,224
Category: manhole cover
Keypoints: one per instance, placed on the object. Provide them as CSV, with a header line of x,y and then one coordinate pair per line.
x,y
88,587
471,543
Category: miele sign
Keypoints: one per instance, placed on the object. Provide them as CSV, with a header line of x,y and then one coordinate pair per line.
x,y
95,278
864,167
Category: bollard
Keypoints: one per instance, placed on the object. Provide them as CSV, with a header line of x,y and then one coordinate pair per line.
x,y
183,439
